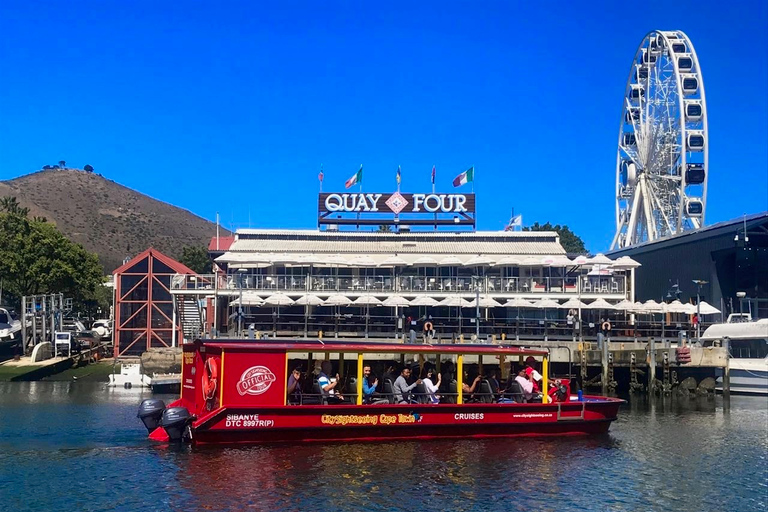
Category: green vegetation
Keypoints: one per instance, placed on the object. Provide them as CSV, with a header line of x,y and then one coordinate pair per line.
x,y
197,259
36,258
572,243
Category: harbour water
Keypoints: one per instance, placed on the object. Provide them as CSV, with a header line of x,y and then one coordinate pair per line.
x,y
79,446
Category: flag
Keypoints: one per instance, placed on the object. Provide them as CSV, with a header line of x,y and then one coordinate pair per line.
x,y
464,178
515,222
356,178
398,174
321,176
433,174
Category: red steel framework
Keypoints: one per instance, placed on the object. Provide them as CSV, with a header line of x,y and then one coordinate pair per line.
x,y
143,303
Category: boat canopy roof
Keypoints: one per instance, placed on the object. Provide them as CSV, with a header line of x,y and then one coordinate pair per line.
x,y
368,347
739,330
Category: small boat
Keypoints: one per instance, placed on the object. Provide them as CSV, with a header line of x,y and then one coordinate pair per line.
x,y
748,353
10,328
131,375
237,392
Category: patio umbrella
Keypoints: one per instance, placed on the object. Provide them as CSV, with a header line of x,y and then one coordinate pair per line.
x,y
599,259
394,261
625,305
580,260
454,302
450,261
362,261
485,302
424,301
508,261
518,303
625,263
306,301
337,300
334,260
396,301
283,258
277,300
425,261
707,309
572,303
530,261
600,304
676,307
546,304
690,309
479,261
249,299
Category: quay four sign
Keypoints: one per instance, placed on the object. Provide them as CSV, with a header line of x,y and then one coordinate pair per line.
x,y
397,203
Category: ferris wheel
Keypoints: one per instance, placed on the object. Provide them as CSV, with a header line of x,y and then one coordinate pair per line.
x,y
661,165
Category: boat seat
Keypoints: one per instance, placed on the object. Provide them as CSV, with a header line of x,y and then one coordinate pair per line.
x,y
388,390
317,391
453,392
420,394
350,390
515,392
484,392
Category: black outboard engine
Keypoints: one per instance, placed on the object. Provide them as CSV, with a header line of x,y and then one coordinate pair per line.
x,y
150,413
175,421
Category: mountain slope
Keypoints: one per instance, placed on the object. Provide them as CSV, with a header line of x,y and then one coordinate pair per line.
x,y
107,218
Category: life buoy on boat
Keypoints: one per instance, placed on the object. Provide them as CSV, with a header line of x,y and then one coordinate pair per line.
x,y
210,378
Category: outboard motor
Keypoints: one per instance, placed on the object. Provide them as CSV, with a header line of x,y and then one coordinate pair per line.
x,y
151,412
175,420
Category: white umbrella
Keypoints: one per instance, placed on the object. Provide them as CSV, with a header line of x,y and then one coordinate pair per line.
x,y
479,261
394,261
362,261
561,261
454,301
337,300
335,260
249,299
508,261
547,261
309,259
485,302
396,301
278,299
530,261
546,304
637,307
651,306
572,303
425,261
367,300
676,307
689,309
600,304
625,305
599,259
625,263
707,309
424,301
308,300
283,258
580,260
518,302
450,261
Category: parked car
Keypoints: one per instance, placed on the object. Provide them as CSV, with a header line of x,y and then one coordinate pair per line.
x,y
86,339
103,328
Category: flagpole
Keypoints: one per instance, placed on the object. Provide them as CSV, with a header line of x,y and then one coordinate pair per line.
x,y
473,179
321,179
433,191
361,191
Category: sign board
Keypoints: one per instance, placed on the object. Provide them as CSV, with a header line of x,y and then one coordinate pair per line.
x,y
361,208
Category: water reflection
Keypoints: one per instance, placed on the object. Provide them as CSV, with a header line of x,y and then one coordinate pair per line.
x,y
662,454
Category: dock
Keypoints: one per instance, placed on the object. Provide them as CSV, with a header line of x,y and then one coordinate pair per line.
x,y
25,369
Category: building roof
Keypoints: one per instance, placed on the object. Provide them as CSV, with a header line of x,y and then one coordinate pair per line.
x,y
222,244
178,267
717,229
379,245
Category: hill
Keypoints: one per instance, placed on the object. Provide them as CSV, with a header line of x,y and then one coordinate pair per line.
x,y
107,218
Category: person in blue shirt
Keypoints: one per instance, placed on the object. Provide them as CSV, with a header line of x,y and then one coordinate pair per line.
x,y
369,388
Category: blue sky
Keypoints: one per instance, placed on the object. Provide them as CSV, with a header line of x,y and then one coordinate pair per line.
x,y
233,108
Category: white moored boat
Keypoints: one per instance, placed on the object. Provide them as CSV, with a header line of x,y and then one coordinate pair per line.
x,y
748,347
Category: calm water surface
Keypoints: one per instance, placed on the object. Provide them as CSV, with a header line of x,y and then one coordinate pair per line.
x,y
78,446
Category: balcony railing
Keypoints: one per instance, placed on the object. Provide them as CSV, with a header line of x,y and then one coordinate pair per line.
x,y
587,285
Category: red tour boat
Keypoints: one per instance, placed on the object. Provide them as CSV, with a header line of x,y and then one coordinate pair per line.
x,y
235,391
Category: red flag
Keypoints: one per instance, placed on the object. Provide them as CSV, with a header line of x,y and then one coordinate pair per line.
x,y
320,176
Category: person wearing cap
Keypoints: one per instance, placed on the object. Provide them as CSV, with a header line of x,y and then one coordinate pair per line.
x,y
525,383
533,375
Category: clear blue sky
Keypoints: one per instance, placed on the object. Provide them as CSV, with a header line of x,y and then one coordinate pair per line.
x,y
233,108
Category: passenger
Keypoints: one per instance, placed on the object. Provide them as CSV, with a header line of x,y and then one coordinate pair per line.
x,y
525,384
468,390
432,388
369,388
293,390
328,384
535,376
402,389
494,383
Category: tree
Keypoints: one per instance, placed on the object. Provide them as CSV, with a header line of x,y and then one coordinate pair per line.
x,y
62,164
197,259
572,243
385,228
35,258
88,168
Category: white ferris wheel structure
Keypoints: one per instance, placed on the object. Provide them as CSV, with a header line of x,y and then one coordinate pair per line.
x,y
662,158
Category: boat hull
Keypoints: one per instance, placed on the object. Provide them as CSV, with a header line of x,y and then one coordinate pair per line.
x,y
403,422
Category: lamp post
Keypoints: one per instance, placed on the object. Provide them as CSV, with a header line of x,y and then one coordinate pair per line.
x,y
698,283
240,273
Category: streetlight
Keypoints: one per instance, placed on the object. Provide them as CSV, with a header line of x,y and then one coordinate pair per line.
x,y
698,283
240,273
